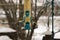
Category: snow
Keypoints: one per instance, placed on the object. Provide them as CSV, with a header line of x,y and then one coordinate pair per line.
x,y
42,22
57,35
37,37
2,16
6,29
42,28
4,38
45,17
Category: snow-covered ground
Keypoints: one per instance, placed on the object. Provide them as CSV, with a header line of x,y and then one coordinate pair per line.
x,y
57,35
42,28
38,32
37,37
6,29
5,38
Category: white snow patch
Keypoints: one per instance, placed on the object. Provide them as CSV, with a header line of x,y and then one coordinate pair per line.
x,y
4,38
6,29
57,36
40,29
37,37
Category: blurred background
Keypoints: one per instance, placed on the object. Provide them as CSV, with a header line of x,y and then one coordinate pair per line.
x,y
12,17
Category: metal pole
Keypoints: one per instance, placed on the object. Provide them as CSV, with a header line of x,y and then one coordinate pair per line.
x,y
48,23
52,19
